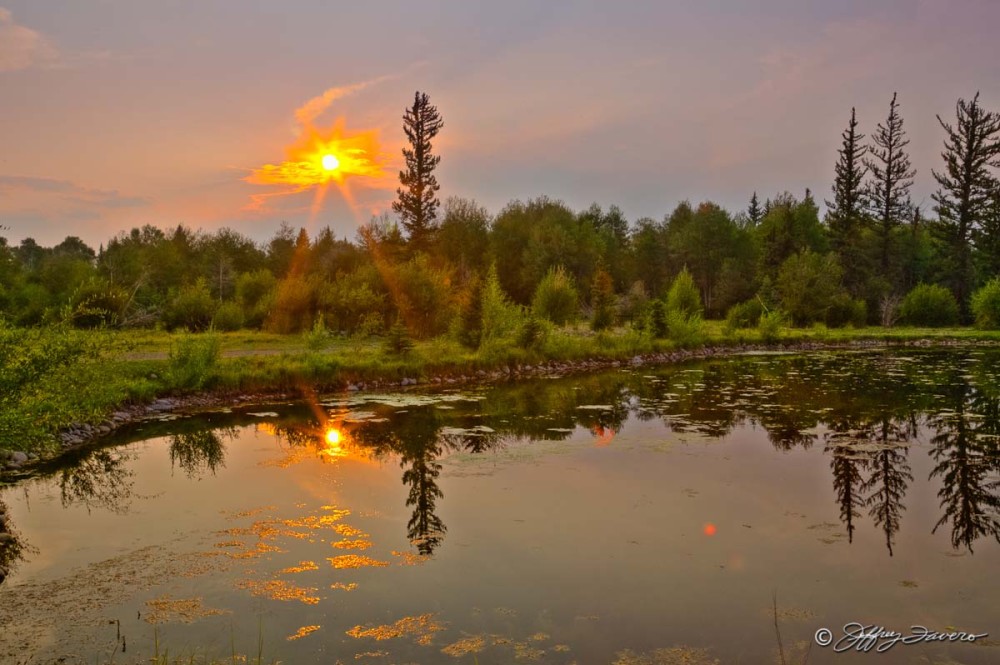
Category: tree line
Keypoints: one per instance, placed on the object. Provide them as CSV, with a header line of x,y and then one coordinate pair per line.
x,y
874,258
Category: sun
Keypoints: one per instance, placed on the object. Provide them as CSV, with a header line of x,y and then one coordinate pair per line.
x,y
330,162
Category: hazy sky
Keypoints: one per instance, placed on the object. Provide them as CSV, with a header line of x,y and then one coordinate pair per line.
x,y
116,113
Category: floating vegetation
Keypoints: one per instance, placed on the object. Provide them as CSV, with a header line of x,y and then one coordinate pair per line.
x,y
348,531
465,646
279,590
422,628
359,544
410,558
344,587
346,561
681,655
302,632
187,610
301,568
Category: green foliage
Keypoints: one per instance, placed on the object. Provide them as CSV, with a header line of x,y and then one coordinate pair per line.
x,y
423,296
192,307
844,310
255,291
929,305
192,360
228,317
807,284
531,334
397,340
683,296
470,319
685,330
986,305
318,337
770,325
603,301
744,315
294,305
556,298
501,318
657,319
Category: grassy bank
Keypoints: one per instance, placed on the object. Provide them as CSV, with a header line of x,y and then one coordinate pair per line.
x,y
54,378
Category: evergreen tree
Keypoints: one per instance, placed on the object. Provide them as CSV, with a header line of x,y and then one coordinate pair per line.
x,y
417,203
970,149
845,217
754,212
888,191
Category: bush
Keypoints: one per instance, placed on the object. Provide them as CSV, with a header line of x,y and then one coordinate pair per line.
x,y
986,305
532,333
844,310
657,319
228,317
634,305
192,360
397,340
770,325
603,300
744,315
807,284
683,330
929,305
556,298
318,338
684,296
501,318
191,308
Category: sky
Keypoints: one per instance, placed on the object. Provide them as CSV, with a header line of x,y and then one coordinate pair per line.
x,y
119,113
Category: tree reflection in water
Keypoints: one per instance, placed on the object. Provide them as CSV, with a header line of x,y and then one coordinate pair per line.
x,y
868,409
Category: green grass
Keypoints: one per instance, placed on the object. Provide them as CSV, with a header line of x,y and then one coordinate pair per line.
x,y
137,367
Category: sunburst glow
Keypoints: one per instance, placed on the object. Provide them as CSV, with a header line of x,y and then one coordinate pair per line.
x,y
330,162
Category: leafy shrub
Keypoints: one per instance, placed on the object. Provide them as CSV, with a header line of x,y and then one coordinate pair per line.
x,y
744,315
423,295
501,318
929,305
770,325
603,300
228,317
192,360
657,319
684,330
531,334
844,310
556,298
469,322
683,295
192,307
397,340
986,305
294,305
318,338
807,283
255,291
634,305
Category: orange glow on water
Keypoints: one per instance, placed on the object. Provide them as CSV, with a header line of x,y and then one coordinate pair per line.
x,y
333,436
709,529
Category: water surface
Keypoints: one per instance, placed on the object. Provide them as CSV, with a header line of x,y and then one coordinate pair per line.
x,y
636,516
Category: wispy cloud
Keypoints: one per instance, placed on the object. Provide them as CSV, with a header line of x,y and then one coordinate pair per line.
x,y
21,47
71,192
312,109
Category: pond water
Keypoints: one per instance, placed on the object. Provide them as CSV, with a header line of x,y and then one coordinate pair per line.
x,y
646,515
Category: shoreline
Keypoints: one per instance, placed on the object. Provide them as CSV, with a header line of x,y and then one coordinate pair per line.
x,y
20,466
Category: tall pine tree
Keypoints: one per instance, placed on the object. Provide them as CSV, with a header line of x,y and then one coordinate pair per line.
x,y
888,190
754,212
418,203
845,216
971,148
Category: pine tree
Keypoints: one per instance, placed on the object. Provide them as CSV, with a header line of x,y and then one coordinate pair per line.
x,y
845,216
888,191
417,203
963,201
754,212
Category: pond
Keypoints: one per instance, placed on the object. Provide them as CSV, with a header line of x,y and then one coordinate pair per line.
x,y
645,515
